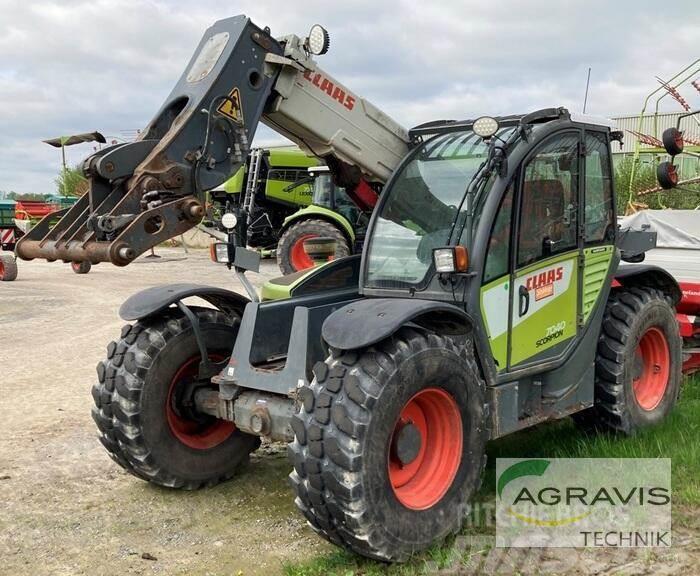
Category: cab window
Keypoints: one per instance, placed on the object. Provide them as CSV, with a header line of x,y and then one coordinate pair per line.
x,y
598,211
499,243
548,200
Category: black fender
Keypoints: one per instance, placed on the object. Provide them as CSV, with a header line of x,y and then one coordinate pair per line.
x,y
152,300
366,322
649,275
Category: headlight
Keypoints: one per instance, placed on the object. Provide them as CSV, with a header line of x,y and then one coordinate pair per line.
x,y
451,259
218,252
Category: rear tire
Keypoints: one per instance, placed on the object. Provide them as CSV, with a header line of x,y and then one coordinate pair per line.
x,y
359,480
8,268
81,267
142,425
638,364
290,249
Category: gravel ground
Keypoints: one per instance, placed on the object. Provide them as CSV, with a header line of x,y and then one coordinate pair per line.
x,y
66,508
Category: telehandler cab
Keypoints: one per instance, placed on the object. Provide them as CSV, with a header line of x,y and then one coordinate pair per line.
x,y
489,296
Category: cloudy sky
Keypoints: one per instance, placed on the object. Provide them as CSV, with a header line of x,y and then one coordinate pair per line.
x,y
75,66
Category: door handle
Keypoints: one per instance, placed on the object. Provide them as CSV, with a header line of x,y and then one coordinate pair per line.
x,y
523,301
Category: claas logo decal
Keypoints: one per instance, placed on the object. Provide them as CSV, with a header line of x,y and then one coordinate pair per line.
x,y
543,282
334,91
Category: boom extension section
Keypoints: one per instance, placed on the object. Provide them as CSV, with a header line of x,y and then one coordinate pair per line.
x,y
144,192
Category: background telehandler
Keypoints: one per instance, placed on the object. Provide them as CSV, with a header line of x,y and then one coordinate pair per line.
x,y
330,214
489,296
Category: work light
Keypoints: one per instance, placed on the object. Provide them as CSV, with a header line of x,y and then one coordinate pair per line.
x,y
229,220
318,40
485,127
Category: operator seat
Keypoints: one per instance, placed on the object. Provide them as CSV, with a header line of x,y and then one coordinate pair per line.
x,y
541,217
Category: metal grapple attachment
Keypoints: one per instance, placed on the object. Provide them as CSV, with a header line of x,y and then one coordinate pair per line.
x,y
111,223
144,192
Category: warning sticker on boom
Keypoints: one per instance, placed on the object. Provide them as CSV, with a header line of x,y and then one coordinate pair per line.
x,y
232,107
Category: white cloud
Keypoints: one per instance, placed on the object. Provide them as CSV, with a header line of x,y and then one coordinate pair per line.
x,y
77,65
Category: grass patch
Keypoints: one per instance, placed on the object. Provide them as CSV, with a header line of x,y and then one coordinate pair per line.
x,y
676,439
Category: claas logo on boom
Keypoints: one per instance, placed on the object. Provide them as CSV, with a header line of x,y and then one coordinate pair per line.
x,y
334,91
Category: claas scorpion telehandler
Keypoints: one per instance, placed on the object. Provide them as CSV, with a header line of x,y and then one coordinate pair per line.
x,y
490,296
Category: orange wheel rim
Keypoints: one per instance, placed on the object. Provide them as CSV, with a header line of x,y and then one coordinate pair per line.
x,y
425,449
298,257
196,435
654,358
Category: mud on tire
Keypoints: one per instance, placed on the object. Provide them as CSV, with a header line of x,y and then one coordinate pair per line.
x,y
636,322
132,395
343,433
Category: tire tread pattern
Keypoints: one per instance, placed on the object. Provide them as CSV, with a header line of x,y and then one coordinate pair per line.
x,y
117,393
326,453
610,412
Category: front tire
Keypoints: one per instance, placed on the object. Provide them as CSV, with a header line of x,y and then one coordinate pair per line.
x,y
389,445
8,268
638,364
291,256
144,422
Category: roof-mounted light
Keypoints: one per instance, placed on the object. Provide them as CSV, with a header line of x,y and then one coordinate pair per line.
x,y
318,41
485,127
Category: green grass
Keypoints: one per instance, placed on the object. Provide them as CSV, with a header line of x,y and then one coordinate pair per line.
x,y
677,438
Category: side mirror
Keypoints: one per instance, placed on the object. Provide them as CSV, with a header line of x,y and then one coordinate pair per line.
x,y
667,175
673,141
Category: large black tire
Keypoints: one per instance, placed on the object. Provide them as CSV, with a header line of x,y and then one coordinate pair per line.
x,y
8,268
345,438
81,267
626,372
291,243
133,396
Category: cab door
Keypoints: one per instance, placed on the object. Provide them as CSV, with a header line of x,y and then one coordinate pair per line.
x,y
547,252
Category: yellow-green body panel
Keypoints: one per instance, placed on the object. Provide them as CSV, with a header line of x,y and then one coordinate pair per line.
x,y
277,190
280,288
494,308
596,268
234,185
551,318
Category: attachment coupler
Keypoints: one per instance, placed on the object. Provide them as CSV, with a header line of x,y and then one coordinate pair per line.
x,y
144,192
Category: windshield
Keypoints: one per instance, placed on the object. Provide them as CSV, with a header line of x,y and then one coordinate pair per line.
x,y
420,208
323,186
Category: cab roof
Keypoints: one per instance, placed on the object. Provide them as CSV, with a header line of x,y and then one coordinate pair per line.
x,y
417,133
